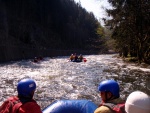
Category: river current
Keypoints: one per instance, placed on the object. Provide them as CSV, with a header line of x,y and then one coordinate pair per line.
x,y
58,78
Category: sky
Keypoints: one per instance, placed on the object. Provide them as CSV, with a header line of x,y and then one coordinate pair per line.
x,y
95,6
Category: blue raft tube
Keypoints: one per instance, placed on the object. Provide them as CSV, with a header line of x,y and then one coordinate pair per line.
x,y
71,106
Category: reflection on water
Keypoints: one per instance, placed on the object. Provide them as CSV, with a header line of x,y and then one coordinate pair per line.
x,y
59,79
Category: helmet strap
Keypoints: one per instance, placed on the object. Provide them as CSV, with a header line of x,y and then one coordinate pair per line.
x,y
25,97
108,98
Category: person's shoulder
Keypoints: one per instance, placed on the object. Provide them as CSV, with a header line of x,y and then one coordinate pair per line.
x,y
117,101
103,109
13,98
31,107
32,104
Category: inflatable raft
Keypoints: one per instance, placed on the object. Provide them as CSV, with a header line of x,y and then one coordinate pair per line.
x,y
71,106
78,60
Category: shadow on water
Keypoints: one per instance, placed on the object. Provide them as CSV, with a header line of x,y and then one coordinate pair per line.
x,y
23,64
134,80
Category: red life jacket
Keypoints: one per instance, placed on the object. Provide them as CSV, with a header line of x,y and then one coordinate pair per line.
x,y
11,105
117,108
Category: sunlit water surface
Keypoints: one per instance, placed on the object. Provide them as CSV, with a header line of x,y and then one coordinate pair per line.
x,y
57,78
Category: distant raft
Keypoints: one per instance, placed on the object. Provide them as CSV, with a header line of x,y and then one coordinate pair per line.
x,y
78,60
71,106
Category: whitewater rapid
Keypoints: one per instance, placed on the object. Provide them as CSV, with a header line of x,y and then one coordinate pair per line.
x,y
58,78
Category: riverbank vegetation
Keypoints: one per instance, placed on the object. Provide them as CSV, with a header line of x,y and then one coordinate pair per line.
x,y
130,26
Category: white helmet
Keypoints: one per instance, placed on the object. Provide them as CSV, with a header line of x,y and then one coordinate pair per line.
x,y
137,102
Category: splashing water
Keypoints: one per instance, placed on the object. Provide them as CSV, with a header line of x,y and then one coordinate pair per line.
x,y
57,78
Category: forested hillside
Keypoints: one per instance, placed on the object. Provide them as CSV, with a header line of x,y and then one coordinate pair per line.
x,y
50,24
130,23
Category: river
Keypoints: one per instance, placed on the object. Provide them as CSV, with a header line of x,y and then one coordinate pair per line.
x,y
57,78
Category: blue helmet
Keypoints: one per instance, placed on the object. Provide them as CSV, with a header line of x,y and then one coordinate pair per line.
x,y
26,87
110,86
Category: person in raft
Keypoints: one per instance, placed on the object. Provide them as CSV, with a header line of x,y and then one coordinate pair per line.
x,y
80,57
109,93
75,57
71,57
24,102
35,60
137,102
